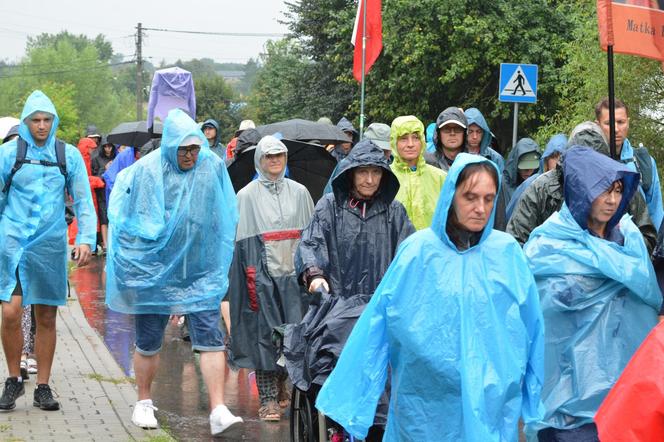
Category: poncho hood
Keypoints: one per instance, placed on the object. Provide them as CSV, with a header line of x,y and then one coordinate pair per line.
x,y
178,127
38,102
405,125
268,145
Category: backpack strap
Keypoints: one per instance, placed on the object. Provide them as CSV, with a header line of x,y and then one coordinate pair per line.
x,y
21,153
644,167
61,159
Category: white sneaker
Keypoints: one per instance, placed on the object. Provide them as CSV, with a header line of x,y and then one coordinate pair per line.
x,y
143,415
221,419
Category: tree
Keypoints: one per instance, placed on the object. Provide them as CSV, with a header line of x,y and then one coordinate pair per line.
x,y
213,100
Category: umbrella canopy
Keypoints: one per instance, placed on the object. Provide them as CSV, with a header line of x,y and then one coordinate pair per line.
x,y
305,130
308,164
133,133
7,123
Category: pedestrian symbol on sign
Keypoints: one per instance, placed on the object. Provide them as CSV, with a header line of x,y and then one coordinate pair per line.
x,y
518,83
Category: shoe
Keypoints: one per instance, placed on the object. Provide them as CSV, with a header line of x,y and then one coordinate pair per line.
x,y
44,398
143,415
32,366
24,370
13,389
221,419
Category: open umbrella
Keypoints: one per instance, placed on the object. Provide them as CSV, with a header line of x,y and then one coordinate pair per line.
x,y
7,123
305,130
133,133
308,164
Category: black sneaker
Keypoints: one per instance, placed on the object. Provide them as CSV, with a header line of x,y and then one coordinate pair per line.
x,y
44,398
13,389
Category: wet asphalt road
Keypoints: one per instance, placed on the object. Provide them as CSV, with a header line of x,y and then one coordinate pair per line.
x,y
178,390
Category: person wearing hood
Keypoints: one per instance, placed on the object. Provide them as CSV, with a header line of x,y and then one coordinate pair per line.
x,y
449,138
172,220
92,133
101,161
232,145
210,129
478,138
637,159
264,292
420,183
522,162
545,195
246,142
342,149
33,231
598,292
550,159
465,352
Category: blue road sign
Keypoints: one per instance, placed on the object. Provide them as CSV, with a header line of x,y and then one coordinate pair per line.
x,y
518,83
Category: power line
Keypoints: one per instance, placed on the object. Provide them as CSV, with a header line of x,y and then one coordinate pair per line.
x,y
36,74
64,63
226,34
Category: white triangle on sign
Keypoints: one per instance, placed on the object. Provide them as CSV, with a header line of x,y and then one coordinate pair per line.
x,y
518,85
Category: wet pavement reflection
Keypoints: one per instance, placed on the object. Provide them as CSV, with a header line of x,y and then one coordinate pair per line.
x,y
178,389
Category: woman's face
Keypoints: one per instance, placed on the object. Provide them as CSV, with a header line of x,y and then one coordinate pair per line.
x,y
108,149
473,201
606,205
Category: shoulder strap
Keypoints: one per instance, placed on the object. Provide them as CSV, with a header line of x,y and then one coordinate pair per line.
x,y
644,167
21,152
61,158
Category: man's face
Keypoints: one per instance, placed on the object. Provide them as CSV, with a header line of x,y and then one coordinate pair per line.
x,y
366,180
187,156
40,124
210,132
473,201
409,147
347,146
526,173
273,165
622,125
475,134
451,136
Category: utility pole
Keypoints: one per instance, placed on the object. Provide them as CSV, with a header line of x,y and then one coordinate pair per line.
x,y
139,72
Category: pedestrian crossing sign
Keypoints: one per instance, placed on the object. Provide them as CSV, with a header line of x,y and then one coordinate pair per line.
x,y
518,83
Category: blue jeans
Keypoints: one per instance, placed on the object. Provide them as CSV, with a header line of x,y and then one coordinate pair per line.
x,y
204,329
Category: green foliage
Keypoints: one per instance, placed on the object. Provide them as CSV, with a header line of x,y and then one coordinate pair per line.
x,y
214,100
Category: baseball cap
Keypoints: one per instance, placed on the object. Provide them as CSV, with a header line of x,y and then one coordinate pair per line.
x,y
528,161
379,134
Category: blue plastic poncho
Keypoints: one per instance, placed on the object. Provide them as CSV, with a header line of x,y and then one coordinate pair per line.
x,y
599,298
465,345
33,231
654,195
171,231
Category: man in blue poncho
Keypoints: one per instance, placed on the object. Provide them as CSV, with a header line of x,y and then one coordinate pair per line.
x,y
172,219
598,291
33,234
465,348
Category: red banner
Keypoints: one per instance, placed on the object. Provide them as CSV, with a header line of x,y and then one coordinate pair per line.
x,y
374,34
632,26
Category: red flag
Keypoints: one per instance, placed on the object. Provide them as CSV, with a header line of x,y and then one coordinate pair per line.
x,y
632,26
374,34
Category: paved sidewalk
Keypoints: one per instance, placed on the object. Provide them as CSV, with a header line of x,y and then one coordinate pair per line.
x,y
95,396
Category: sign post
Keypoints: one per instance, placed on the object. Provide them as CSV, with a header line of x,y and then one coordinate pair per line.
x,y
517,84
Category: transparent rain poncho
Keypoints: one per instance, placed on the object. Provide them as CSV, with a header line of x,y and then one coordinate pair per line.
x,y
461,332
171,231
33,231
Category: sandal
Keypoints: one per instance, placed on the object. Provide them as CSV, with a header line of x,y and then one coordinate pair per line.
x,y
32,365
269,412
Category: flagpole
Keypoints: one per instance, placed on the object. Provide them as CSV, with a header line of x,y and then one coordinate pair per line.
x,y
612,105
364,56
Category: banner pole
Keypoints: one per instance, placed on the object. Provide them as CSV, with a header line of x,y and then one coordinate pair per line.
x,y
612,104
364,54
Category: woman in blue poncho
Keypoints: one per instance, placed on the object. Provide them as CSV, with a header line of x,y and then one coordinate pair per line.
x,y
457,319
598,292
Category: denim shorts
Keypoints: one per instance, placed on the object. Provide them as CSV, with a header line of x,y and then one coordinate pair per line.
x,y
205,331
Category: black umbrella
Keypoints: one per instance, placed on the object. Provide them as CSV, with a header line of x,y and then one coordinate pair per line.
x,y
305,130
133,133
308,164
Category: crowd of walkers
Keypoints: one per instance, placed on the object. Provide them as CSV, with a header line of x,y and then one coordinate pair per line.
x,y
496,290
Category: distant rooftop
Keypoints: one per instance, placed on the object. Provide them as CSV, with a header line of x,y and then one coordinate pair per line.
x,y
231,74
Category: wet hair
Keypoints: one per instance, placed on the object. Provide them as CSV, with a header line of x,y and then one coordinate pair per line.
x,y
473,169
604,104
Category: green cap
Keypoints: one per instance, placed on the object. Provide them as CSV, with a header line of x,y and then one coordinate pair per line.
x,y
528,161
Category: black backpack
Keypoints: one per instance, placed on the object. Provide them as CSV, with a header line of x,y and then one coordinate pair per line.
x,y
644,167
21,152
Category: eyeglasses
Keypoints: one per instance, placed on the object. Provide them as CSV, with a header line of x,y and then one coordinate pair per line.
x,y
188,150
452,130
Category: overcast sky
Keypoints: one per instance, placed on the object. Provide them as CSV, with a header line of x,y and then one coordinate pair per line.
x,y
117,20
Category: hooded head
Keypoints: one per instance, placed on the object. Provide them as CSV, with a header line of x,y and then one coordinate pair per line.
x,y
525,149
402,126
446,199
212,123
105,142
180,130
474,116
247,139
269,145
86,146
450,116
38,102
345,125
366,154
589,134
588,174
556,145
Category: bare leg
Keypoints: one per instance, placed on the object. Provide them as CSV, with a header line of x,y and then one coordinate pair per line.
x,y
45,337
104,235
12,335
213,368
145,369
